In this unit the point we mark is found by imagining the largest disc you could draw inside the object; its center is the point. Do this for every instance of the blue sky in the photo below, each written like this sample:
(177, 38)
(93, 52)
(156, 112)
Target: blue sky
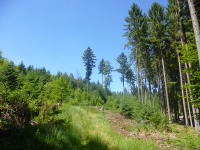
(54, 33)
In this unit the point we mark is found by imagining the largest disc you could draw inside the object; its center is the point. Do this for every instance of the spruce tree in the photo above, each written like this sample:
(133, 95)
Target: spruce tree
(89, 60)
(107, 72)
(123, 62)
(101, 69)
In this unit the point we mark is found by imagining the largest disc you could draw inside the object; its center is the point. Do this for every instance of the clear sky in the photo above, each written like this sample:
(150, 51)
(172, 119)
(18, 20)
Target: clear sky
(54, 33)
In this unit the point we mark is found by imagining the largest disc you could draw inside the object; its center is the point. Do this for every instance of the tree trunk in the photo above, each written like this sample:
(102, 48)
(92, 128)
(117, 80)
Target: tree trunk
(166, 91)
(145, 90)
(149, 81)
(182, 91)
(176, 105)
(138, 82)
(189, 109)
(102, 80)
(141, 89)
(160, 94)
(196, 122)
(123, 81)
(197, 38)
(195, 24)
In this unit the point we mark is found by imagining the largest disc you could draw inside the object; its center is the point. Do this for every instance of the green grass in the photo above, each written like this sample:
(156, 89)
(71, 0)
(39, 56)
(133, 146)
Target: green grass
(75, 128)
(186, 137)
(177, 136)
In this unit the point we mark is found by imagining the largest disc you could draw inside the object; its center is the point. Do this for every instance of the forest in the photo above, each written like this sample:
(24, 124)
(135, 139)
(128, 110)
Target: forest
(160, 109)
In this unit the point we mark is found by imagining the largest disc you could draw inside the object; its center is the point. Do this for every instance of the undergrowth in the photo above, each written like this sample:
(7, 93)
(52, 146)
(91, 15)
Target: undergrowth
(146, 115)
(74, 128)
(186, 137)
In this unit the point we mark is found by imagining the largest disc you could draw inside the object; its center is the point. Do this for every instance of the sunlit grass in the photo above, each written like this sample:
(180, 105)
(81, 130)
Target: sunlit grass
(186, 137)
(92, 125)
(176, 136)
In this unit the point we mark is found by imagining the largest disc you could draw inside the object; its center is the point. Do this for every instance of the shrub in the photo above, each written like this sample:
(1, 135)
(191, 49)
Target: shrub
(132, 108)
(15, 115)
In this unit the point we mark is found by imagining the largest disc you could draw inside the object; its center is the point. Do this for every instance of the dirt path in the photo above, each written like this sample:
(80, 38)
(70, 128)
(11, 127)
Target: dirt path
(121, 125)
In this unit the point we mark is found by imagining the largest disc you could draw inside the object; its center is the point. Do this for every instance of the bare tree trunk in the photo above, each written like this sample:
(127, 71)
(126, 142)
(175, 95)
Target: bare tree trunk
(138, 76)
(198, 113)
(166, 91)
(189, 109)
(123, 86)
(195, 24)
(145, 96)
(149, 81)
(196, 122)
(141, 89)
(138, 82)
(182, 91)
(163, 97)
(197, 38)
(162, 103)
(187, 74)
(145, 90)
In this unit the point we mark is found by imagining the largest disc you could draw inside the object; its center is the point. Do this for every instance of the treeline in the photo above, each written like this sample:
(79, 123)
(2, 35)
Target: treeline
(28, 92)
(164, 50)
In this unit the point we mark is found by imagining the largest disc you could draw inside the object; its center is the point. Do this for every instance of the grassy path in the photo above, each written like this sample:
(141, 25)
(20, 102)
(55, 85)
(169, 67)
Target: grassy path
(93, 128)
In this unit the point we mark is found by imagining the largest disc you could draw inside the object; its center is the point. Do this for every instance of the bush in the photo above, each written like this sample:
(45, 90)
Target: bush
(112, 103)
(47, 112)
(132, 108)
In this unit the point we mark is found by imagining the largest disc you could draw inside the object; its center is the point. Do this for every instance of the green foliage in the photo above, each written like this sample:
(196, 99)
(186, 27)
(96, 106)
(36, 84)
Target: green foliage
(75, 128)
(89, 62)
(105, 69)
(186, 138)
(125, 70)
(113, 102)
(161, 35)
(81, 97)
(107, 72)
(58, 90)
(101, 66)
(141, 113)
(123, 62)
(39, 93)
(189, 55)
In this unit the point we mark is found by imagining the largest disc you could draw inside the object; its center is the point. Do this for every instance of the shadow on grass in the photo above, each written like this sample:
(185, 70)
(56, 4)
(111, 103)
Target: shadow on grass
(53, 136)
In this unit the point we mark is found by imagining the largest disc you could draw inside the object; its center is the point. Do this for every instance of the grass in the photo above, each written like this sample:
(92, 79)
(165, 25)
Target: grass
(75, 128)
(176, 136)
(84, 128)
(186, 137)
